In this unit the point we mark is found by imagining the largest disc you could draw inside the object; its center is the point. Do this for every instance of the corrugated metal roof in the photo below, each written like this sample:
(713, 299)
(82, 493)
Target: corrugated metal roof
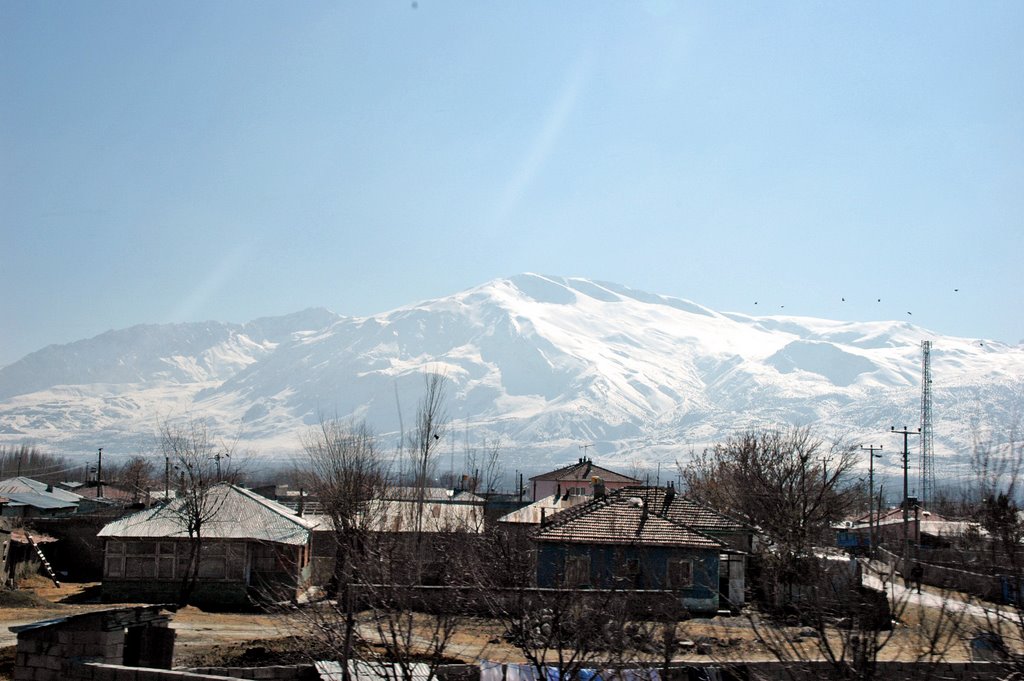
(239, 514)
(622, 519)
(39, 500)
(401, 515)
(28, 485)
(431, 494)
(548, 506)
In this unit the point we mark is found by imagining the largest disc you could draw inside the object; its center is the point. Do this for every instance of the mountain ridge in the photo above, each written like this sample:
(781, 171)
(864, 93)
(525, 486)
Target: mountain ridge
(544, 362)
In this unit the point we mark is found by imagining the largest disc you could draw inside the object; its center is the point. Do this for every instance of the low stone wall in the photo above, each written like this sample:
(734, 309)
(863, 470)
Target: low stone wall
(988, 587)
(211, 594)
(651, 604)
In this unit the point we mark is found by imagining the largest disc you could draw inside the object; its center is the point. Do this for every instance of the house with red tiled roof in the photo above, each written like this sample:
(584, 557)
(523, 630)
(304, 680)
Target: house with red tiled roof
(577, 480)
(633, 539)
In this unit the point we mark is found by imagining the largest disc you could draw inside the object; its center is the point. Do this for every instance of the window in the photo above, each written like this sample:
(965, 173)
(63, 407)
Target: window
(577, 571)
(168, 560)
(114, 563)
(680, 573)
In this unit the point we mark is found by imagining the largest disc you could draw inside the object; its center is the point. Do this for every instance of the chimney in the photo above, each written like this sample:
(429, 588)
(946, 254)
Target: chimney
(598, 484)
(558, 491)
(670, 494)
(543, 516)
(302, 499)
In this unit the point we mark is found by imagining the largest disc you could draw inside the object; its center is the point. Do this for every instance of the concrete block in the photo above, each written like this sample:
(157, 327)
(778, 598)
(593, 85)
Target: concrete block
(23, 673)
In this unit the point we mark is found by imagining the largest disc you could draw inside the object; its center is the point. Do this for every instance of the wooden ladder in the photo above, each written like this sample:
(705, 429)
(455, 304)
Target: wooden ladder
(46, 563)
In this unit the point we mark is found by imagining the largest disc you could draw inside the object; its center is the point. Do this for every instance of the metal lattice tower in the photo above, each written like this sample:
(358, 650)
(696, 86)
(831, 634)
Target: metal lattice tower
(927, 453)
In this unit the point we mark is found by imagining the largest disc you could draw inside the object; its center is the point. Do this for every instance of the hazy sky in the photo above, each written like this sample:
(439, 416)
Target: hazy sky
(178, 161)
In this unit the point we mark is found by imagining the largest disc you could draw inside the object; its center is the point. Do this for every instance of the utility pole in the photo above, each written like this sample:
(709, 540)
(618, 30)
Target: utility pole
(871, 494)
(217, 456)
(167, 478)
(99, 474)
(906, 497)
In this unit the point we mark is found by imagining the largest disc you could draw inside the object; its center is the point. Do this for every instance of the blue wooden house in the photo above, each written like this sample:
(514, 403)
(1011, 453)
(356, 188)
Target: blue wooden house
(622, 541)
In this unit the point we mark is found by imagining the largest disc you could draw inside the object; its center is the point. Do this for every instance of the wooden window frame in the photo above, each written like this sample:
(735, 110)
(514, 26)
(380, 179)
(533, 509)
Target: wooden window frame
(672, 578)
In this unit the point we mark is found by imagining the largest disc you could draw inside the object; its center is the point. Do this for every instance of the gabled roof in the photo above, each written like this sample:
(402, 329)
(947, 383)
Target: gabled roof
(582, 471)
(621, 519)
(238, 514)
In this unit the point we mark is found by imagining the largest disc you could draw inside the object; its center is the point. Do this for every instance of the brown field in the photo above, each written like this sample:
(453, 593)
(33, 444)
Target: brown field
(253, 639)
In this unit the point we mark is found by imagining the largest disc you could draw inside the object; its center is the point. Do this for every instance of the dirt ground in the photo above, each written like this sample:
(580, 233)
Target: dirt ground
(252, 639)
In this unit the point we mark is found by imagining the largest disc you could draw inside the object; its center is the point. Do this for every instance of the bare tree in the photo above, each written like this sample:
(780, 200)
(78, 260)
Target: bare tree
(137, 474)
(30, 461)
(201, 463)
(431, 425)
(348, 475)
(790, 484)
(483, 467)
(998, 461)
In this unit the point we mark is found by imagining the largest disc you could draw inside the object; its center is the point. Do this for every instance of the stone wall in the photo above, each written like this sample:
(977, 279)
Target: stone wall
(212, 594)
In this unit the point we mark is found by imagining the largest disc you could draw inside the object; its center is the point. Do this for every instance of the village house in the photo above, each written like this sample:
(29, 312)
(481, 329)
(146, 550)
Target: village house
(737, 536)
(443, 510)
(404, 515)
(924, 528)
(24, 497)
(251, 547)
(577, 480)
(621, 541)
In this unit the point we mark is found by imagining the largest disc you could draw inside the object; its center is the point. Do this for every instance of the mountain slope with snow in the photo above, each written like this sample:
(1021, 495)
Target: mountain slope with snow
(547, 363)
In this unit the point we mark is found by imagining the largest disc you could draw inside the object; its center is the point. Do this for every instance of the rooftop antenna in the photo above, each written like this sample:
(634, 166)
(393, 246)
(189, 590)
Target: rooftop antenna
(927, 449)
(585, 448)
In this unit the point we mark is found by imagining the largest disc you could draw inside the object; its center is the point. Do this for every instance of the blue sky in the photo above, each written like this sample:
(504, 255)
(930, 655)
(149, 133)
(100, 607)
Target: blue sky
(181, 161)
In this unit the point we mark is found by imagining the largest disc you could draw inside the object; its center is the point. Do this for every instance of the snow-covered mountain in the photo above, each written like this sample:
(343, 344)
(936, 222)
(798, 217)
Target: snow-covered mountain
(547, 363)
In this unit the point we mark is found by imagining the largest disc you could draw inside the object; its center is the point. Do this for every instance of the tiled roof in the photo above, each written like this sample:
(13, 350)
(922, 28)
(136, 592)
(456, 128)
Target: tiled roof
(684, 510)
(622, 519)
(583, 471)
(239, 514)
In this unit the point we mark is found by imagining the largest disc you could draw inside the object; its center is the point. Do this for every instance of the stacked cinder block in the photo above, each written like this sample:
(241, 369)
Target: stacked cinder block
(48, 650)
